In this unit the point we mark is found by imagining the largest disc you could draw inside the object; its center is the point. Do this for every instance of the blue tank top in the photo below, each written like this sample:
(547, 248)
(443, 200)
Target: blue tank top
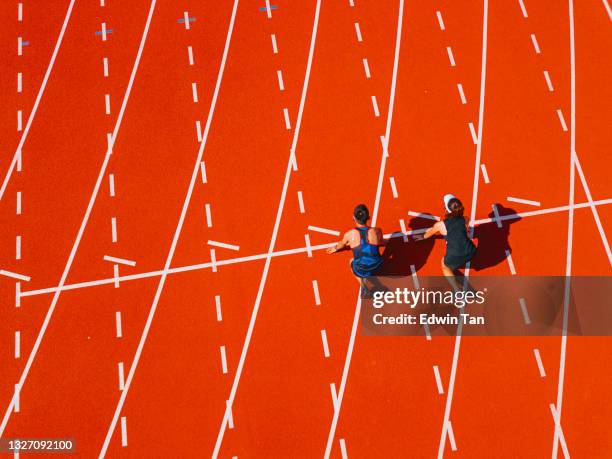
(366, 257)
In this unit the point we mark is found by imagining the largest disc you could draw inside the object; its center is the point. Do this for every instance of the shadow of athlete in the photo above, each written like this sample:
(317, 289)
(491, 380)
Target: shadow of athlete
(493, 241)
(400, 255)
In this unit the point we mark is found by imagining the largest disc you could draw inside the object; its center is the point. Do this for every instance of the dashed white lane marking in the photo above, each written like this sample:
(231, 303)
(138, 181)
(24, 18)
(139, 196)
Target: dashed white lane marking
(608, 9)
(281, 84)
(334, 395)
(105, 66)
(366, 68)
(510, 262)
(203, 172)
(323, 230)
(427, 333)
(451, 435)
(198, 126)
(223, 360)
(524, 201)
(102, 3)
(286, 115)
(561, 119)
(223, 245)
(461, 93)
(18, 248)
(548, 81)
(13, 275)
(186, 19)
(19, 163)
(375, 106)
(485, 174)
(19, 46)
(308, 246)
(17, 344)
(114, 229)
(351, 3)
(301, 202)
(384, 145)
(274, 47)
(218, 308)
(104, 31)
(358, 32)
(19, 82)
(190, 55)
(420, 215)
(116, 275)
(496, 215)
(523, 9)
(208, 215)
(213, 260)
(440, 21)
(523, 304)
(415, 279)
(118, 327)
(325, 344)
(436, 371)
(194, 92)
(20, 11)
(107, 106)
(536, 354)
(473, 132)
(121, 375)
(111, 185)
(536, 46)
(122, 261)
(559, 431)
(19, 120)
(315, 289)
(230, 414)
(268, 9)
(402, 225)
(393, 187)
(18, 293)
(451, 58)
(124, 438)
(343, 449)
(18, 204)
(109, 142)
(17, 407)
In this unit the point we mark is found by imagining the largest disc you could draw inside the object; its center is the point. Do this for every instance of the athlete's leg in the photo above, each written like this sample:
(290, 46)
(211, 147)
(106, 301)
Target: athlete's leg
(449, 274)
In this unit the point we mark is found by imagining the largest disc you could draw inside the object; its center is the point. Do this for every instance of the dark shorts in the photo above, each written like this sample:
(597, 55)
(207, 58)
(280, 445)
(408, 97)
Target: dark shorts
(456, 262)
(363, 272)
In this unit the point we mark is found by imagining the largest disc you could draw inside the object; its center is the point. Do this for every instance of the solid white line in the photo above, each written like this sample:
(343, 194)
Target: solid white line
(203, 172)
(17, 344)
(343, 449)
(461, 93)
(308, 246)
(279, 75)
(213, 260)
(18, 203)
(208, 215)
(393, 187)
(286, 115)
(116, 274)
(114, 229)
(440, 21)
(608, 10)
(358, 32)
(375, 106)
(111, 185)
(19, 120)
(105, 66)
(118, 328)
(485, 175)
(548, 81)
(17, 397)
(366, 68)
(451, 435)
(264, 275)
(415, 279)
(325, 345)
(524, 311)
(186, 18)
(451, 58)
(562, 119)
(334, 395)
(223, 245)
(524, 201)
(122, 261)
(559, 432)
(223, 360)
(274, 47)
(536, 354)
(22, 277)
(384, 146)
(121, 375)
(37, 101)
(17, 247)
(194, 92)
(301, 202)
(218, 308)
(315, 289)
(19, 82)
(497, 219)
(473, 132)
(198, 125)
(230, 415)
(510, 262)
(436, 371)
(190, 55)
(420, 215)
(323, 230)
(523, 9)
(536, 46)
(268, 9)
(124, 440)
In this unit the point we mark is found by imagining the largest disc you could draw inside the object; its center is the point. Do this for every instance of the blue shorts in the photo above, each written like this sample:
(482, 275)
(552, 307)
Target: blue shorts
(365, 271)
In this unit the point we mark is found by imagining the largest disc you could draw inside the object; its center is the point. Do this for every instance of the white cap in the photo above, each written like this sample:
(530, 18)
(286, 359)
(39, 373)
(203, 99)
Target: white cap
(447, 199)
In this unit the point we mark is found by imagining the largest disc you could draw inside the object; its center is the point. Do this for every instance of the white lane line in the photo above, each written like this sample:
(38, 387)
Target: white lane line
(366, 68)
(343, 449)
(510, 262)
(105, 66)
(301, 202)
(18, 294)
(121, 375)
(440, 21)
(79, 236)
(116, 274)
(190, 55)
(524, 201)
(223, 360)
(293, 161)
(186, 19)
(497, 219)
(436, 371)
(17, 397)
(402, 225)
(223, 245)
(203, 172)
(268, 9)
(420, 215)
(19, 162)
(351, 3)
(375, 106)
(208, 215)
(230, 415)
(19, 46)
(218, 308)
(523, 9)
(308, 246)
(19, 82)
(536, 46)
(109, 142)
(559, 432)
(536, 354)
(198, 126)
(213, 260)
(548, 81)
(19, 120)
(315, 289)
(393, 187)
(415, 279)
(608, 9)
(451, 435)
(461, 93)
(20, 12)
(281, 84)
(17, 247)
(562, 120)
(17, 344)
(323, 230)
(121, 261)
(18, 203)
(358, 32)
(194, 92)
(102, 3)
(281, 205)
(41, 90)
(274, 47)
(114, 229)
(111, 185)
(334, 395)
(523, 304)
(286, 115)
(473, 132)
(107, 107)
(118, 327)
(325, 344)
(485, 174)
(384, 146)
(104, 31)
(451, 58)
(124, 439)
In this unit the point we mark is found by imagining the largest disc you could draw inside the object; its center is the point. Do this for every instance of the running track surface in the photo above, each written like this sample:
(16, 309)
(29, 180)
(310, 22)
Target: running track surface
(162, 126)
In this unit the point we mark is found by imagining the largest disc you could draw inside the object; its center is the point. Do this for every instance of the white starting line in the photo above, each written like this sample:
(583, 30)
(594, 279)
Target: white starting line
(524, 201)
(323, 230)
(13, 275)
(121, 261)
(223, 245)
(421, 215)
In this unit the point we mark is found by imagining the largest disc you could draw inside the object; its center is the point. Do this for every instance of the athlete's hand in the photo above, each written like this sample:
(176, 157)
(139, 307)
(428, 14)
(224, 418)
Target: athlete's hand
(331, 250)
(418, 237)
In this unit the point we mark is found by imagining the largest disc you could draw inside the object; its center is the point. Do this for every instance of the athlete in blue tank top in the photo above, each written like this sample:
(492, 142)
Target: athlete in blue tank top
(364, 241)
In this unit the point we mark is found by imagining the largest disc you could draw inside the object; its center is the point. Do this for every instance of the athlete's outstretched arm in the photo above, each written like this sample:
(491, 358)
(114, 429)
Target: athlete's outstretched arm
(343, 244)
